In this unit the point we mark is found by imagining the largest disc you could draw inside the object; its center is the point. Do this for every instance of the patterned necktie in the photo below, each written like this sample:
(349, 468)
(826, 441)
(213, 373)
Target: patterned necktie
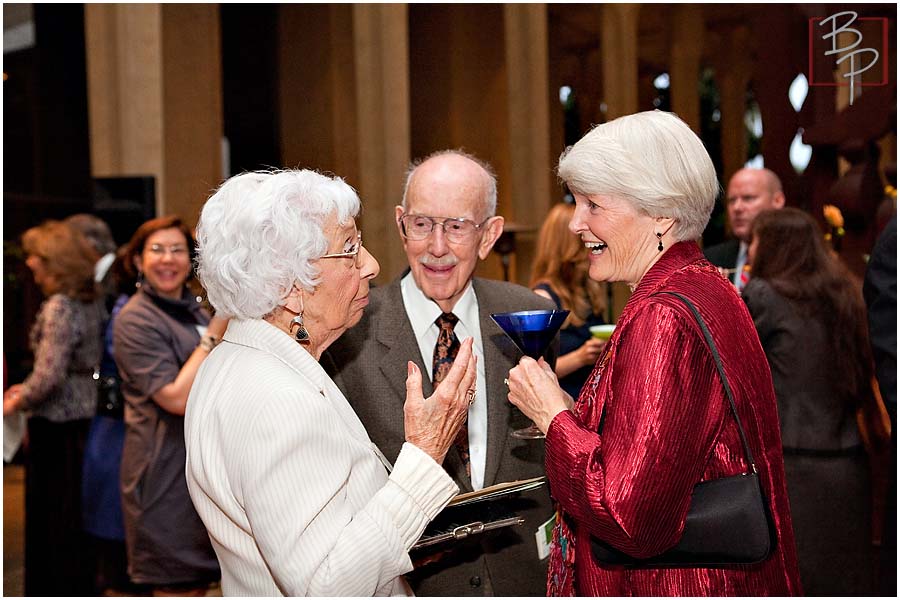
(445, 352)
(740, 276)
(745, 277)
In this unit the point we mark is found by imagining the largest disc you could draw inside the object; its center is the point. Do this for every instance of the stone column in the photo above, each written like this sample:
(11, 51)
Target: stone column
(684, 72)
(733, 74)
(532, 178)
(155, 99)
(619, 57)
(381, 53)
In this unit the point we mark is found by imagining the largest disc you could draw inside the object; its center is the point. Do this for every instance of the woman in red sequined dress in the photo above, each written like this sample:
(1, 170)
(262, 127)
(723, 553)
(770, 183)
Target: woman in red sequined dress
(653, 420)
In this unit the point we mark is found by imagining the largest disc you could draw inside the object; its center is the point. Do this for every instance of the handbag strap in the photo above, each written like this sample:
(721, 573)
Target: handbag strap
(721, 369)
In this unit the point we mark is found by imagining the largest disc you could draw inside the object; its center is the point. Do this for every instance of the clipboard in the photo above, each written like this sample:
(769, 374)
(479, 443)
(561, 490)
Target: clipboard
(475, 513)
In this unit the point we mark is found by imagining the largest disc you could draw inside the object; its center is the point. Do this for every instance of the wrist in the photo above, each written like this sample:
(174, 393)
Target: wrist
(208, 342)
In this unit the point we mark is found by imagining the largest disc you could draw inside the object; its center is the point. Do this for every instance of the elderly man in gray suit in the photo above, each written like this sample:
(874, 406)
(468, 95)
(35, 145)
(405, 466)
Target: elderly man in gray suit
(447, 223)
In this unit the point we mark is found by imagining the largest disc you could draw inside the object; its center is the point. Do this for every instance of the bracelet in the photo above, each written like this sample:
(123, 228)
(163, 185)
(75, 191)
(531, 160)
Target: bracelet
(208, 342)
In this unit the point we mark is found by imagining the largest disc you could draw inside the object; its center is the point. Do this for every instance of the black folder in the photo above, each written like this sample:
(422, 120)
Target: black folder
(475, 513)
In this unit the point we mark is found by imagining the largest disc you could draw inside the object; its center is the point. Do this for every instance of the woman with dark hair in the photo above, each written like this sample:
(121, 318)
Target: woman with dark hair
(809, 312)
(61, 397)
(560, 273)
(160, 338)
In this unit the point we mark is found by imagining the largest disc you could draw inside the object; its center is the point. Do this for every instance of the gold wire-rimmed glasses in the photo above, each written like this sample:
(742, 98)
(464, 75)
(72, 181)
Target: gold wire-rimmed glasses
(352, 253)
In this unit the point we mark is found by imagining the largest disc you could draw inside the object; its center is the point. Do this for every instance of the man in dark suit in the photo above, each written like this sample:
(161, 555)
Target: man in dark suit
(447, 224)
(750, 191)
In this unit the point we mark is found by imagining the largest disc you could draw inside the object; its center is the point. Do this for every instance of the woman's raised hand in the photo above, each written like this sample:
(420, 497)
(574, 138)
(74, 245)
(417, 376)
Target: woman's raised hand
(534, 389)
(432, 423)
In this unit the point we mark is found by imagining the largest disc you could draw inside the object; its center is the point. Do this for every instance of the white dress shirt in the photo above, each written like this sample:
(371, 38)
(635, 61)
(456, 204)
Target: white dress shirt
(422, 313)
(296, 498)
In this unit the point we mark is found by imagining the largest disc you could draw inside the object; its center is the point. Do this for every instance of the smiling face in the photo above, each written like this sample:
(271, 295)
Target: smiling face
(621, 241)
(448, 186)
(750, 191)
(338, 301)
(165, 262)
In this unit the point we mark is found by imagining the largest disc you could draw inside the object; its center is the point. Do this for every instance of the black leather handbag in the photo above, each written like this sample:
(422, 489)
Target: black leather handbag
(728, 522)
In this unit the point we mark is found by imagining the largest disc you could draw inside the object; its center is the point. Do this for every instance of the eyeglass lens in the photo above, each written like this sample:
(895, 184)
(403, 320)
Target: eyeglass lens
(418, 227)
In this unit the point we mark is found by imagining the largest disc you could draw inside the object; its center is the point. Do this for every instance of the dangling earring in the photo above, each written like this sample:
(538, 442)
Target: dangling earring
(659, 237)
(302, 335)
(140, 280)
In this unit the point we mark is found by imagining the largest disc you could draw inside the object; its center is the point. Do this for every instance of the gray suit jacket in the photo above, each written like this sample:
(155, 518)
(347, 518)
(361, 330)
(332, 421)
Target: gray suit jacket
(368, 363)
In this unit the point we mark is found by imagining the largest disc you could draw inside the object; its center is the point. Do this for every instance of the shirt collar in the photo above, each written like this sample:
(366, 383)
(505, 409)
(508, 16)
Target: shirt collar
(423, 311)
(677, 257)
(262, 335)
(103, 265)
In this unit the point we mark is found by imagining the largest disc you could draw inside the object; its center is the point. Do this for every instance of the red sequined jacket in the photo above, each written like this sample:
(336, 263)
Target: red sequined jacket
(667, 426)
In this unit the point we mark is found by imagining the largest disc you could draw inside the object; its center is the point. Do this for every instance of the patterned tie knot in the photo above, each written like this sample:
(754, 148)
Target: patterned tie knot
(447, 321)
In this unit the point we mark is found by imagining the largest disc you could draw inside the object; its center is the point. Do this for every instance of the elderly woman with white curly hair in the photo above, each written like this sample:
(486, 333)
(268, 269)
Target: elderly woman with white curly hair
(296, 498)
(653, 423)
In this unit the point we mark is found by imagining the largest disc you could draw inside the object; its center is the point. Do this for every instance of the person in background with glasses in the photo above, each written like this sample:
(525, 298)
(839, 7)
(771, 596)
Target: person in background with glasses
(447, 222)
(297, 499)
(160, 338)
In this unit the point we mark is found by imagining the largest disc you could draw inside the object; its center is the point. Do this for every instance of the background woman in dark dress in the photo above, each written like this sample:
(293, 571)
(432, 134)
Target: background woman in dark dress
(160, 338)
(560, 273)
(809, 312)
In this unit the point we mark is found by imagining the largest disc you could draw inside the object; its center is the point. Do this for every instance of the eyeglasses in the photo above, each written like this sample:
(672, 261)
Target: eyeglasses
(353, 252)
(177, 250)
(419, 227)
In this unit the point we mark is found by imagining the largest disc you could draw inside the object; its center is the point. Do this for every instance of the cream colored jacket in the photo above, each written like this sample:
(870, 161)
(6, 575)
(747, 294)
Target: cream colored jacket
(296, 498)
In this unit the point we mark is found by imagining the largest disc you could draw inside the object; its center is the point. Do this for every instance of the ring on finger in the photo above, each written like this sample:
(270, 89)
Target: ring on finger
(470, 395)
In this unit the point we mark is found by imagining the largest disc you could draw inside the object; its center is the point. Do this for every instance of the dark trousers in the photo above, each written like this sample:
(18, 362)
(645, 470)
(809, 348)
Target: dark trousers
(57, 555)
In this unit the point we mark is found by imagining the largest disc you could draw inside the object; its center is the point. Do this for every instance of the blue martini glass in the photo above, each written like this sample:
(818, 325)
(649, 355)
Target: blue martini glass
(532, 331)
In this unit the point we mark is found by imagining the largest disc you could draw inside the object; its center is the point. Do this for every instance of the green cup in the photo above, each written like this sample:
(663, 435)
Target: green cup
(602, 332)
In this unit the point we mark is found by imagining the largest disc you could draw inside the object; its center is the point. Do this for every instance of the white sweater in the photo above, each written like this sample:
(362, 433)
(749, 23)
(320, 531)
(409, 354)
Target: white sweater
(296, 499)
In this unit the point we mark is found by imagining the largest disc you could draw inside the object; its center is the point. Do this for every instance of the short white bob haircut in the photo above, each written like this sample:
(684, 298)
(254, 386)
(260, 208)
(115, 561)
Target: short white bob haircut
(259, 233)
(651, 159)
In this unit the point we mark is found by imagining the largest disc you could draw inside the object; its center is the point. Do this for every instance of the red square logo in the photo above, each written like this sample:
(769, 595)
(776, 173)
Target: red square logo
(858, 45)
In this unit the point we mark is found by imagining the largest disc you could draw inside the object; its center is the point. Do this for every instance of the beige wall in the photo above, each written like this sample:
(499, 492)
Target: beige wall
(155, 98)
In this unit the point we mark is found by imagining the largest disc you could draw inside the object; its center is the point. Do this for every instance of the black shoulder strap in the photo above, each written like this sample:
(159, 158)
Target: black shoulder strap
(718, 360)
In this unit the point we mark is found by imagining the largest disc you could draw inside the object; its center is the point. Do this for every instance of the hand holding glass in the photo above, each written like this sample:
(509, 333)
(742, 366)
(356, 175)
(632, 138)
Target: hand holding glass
(532, 331)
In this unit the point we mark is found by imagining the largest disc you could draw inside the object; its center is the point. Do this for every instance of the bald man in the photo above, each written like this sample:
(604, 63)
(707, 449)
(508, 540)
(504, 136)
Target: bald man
(750, 191)
(447, 223)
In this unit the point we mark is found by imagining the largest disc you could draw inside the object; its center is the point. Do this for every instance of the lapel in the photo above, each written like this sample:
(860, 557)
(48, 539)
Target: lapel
(393, 331)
